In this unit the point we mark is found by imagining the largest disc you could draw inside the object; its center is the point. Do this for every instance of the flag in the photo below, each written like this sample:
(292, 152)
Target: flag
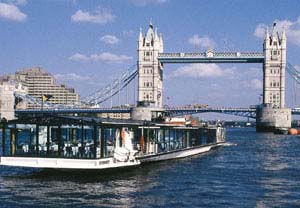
(46, 97)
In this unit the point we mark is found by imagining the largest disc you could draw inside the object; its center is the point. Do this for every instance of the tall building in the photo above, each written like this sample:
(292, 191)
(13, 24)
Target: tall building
(274, 68)
(39, 82)
(150, 70)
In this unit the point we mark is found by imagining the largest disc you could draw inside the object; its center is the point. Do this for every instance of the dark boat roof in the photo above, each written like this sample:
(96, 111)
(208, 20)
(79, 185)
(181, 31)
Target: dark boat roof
(75, 120)
(59, 120)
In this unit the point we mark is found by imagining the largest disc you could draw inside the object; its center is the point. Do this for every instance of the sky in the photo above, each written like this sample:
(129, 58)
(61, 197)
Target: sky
(86, 44)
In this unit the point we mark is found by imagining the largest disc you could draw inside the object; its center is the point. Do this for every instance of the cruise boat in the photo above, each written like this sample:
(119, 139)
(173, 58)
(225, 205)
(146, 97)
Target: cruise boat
(71, 142)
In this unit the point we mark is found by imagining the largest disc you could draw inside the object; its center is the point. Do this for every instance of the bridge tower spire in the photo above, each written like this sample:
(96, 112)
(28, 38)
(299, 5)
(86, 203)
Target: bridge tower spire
(150, 75)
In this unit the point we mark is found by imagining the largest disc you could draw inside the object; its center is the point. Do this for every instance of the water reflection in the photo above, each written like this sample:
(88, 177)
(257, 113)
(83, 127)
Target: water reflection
(48, 189)
(97, 189)
(276, 163)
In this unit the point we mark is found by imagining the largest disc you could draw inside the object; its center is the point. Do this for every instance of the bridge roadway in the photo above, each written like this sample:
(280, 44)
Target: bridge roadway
(244, 112)
(172, 111)
(212, 57)
(73, 110)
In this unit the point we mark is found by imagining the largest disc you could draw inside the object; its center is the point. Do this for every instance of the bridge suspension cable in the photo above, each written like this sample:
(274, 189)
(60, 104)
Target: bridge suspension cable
(295, 74)
(111, 89)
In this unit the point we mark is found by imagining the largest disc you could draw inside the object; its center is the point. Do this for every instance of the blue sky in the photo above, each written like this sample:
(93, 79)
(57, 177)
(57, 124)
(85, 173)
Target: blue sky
(88, 43)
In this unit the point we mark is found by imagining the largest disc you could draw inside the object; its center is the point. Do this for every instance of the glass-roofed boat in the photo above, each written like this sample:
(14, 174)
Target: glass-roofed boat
(70, 142)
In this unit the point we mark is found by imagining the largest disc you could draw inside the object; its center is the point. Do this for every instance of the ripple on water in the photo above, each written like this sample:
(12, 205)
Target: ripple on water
(252, 170)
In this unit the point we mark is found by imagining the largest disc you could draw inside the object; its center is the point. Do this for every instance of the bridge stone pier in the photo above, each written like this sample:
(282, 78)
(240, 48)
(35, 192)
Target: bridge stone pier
(271, 114)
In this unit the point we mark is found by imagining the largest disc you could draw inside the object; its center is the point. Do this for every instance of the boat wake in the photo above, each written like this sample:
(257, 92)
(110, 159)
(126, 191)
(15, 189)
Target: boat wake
(229, 144)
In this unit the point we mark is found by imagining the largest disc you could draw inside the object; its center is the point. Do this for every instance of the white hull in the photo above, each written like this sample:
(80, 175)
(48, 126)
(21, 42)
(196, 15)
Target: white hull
(59, 163)
(177, 154)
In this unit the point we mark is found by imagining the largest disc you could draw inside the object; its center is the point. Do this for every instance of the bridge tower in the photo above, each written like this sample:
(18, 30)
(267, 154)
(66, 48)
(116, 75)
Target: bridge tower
(150, 74)
(273, 114)
(274, 69)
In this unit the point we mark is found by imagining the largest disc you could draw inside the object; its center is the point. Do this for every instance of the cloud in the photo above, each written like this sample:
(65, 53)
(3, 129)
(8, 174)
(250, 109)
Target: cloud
(20, 2)
(204, 42)
(260, 30)
(102, 57)
(16, 2)
(71, 77)
(110, 39)
(202, 71)
(100, 16)
(78, 57)
(128, 33)
(11, 12)
(142, 3)
(292, 29)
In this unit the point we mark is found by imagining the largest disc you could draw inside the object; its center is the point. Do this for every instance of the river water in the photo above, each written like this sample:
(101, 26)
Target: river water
(254, 170)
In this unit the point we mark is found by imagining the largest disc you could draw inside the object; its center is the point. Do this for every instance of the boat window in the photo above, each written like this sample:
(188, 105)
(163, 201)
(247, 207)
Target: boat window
(179, 139)
(111, 140)
(161, 141)
(150, 141)
(53, 141)
(194, 138)
(24, 142)
(172, 139)
(167, 139)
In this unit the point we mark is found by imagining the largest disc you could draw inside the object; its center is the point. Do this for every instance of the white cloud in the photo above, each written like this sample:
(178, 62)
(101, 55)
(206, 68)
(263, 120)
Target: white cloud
(292, 30)
(260, 30)
(11, 12)
(102, 57)
(110, 57)
(71, 77)
(78, 57)
(202, 71)
(147, 2)
(204, 42)
(128, 33)
(100, 16)
(110, 39)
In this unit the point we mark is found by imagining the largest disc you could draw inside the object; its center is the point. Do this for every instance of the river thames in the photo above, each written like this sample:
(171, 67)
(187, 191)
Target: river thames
(253, 170)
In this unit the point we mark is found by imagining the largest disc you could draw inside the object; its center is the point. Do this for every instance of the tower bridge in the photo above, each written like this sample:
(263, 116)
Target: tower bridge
(152, 59)
(272, 114)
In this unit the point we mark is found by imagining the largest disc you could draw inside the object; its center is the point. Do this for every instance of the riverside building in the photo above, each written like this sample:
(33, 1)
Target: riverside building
(39, 82)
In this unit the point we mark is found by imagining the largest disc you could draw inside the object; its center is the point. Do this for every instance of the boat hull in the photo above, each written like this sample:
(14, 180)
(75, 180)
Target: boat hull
(60, 163)
(178, 153)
